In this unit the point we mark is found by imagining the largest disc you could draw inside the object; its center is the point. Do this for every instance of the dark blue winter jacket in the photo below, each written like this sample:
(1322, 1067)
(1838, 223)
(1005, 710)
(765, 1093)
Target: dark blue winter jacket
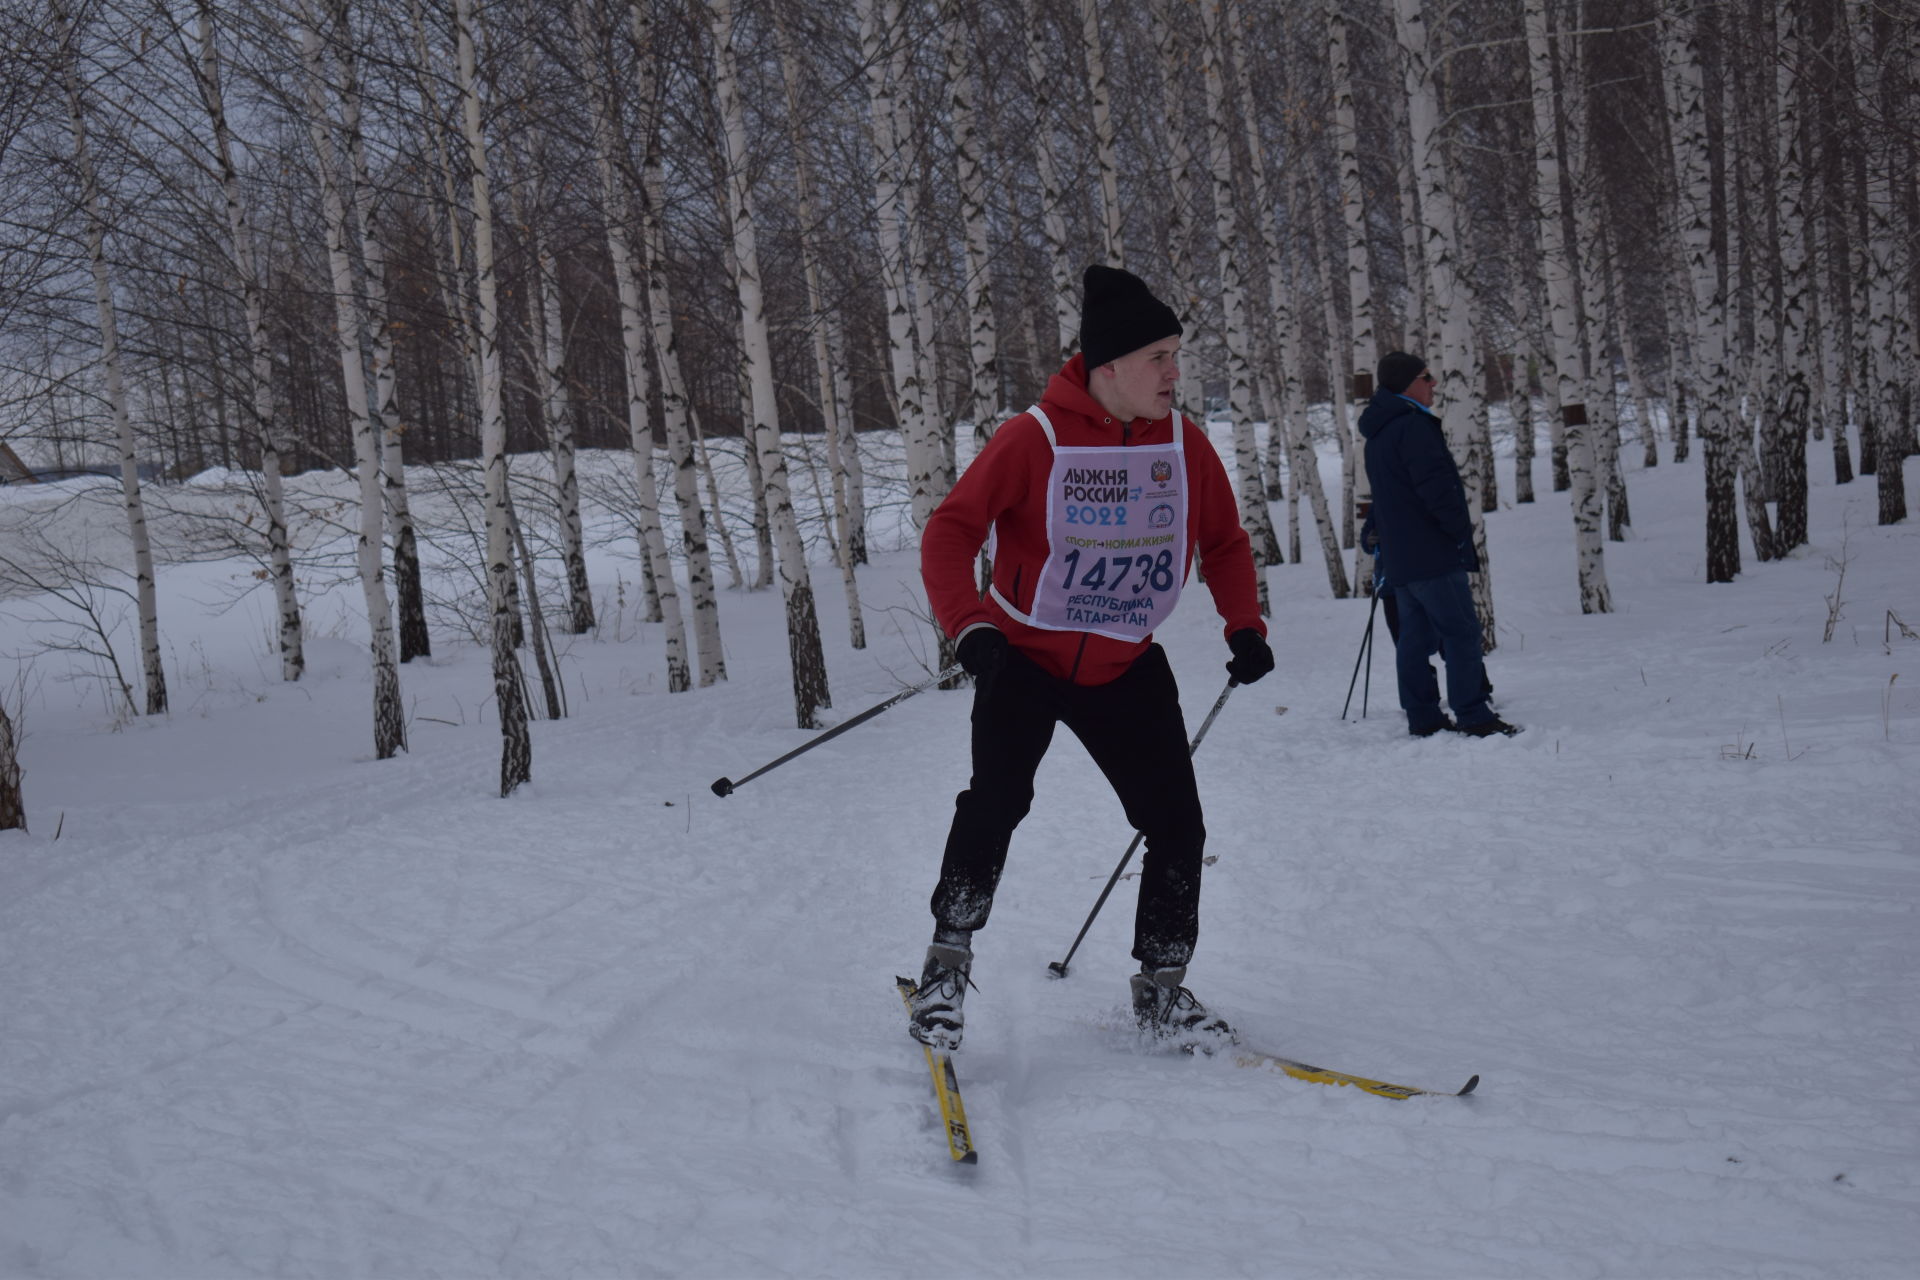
(1419, 504)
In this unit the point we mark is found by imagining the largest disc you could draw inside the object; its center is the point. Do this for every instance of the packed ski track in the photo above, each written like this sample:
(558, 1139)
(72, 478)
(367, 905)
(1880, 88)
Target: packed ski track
(272, 1007)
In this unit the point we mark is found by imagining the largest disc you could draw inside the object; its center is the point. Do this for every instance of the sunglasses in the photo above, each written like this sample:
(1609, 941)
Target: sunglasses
(1426, 377)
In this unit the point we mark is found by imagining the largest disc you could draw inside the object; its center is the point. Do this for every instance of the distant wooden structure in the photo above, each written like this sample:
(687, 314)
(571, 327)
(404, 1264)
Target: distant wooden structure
(12, 470)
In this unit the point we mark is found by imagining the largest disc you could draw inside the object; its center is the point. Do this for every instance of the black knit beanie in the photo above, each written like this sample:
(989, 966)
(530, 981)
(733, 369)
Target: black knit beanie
(1398, 370)
(1119, 314)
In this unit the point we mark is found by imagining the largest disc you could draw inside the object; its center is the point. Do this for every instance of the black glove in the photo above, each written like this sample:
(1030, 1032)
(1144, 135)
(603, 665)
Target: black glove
(983, 651)
(1251, 657)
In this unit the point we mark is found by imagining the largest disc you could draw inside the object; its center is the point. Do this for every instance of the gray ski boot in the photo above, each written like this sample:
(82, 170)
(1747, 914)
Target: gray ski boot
(1168, 1011)
(937, 1018)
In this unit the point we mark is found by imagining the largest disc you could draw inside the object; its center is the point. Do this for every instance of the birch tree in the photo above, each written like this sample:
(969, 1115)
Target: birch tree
(609, 145)
(266, 426)
(883, 50)
(1183, 178)
(366, 204)
(1363, 352)
(1288, 422)
(1450, 298)
(1105, 151)
(810, 693)
(509, 689)
(546, 320)
(1053, 222)
(1254, 515)
(13, 808)
(962, 101)
(1790, 414)
(1693, 190)
(1563, 303)
(1885, 168)
(686, 445)
(93, 208)
(829, 378)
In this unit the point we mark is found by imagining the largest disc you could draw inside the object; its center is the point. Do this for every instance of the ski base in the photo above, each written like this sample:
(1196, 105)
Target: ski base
(946, 1089)
(1320, 1075)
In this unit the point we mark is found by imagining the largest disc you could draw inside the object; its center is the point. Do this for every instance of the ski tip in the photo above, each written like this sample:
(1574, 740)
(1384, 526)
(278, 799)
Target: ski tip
(1470, 1086)
(1057, 968)
(971, 1157)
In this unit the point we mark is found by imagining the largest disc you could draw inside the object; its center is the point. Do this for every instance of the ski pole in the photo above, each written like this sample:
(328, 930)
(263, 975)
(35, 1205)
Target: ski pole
(1058, 968)
(725, 786)
(1366, 654)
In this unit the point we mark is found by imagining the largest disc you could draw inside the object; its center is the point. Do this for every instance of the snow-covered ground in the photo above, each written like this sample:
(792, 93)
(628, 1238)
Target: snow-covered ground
(271, 1007)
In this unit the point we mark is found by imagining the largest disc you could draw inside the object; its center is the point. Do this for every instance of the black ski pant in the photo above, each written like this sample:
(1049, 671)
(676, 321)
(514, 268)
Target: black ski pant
(1133, 729)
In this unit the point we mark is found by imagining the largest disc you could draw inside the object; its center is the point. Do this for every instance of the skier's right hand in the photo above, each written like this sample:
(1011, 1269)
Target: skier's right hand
(982, 651)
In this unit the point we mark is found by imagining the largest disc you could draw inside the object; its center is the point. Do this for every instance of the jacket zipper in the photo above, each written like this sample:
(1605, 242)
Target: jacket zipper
(1077, 655)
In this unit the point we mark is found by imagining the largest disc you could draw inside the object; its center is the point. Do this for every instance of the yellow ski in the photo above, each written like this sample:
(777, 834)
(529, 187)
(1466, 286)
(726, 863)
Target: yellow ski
(1320, 1075)
(946, 1089)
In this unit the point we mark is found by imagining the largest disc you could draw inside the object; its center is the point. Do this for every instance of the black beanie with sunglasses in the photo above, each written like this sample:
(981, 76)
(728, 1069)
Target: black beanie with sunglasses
(1119, 314)
(1398, 370)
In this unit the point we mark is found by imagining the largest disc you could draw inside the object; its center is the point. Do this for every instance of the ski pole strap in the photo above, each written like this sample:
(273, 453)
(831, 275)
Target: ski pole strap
(725, 786)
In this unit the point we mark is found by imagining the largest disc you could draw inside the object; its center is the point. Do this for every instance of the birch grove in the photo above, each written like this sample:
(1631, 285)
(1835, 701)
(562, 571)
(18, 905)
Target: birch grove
(243, 256)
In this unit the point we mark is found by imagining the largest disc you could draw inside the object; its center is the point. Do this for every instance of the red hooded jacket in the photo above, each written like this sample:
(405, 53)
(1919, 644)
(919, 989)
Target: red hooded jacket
(1004, 490)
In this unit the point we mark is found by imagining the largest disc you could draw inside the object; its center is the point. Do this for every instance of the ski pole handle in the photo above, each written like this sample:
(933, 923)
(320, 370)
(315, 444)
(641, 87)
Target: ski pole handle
(726, 786)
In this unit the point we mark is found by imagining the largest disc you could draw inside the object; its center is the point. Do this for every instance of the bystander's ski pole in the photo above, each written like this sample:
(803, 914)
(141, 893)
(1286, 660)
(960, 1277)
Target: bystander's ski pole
(1366, 654)
(1059, 967)
(726, 786)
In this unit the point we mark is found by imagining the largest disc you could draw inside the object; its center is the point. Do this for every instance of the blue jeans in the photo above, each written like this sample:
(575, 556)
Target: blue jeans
(1436, 614)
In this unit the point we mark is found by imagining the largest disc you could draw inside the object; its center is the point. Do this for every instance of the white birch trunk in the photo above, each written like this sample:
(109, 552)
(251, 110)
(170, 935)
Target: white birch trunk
(1791, 413)
(548, 323)
(67, 37)
(608, 144)
(1884, 387)
(1748, 361)
(846, 433)
(1100, 98)
(293, 661)
(509, 689)
(1602, 428)
(1183, 178)
(1833, 383)
(828, 379)
(389, 731)
(1450, 301)
(1053, 218)
(1563, 305)
(810, 693)
(1254, 516)
(884, 53)
(1288, 415)
(1362, 347)
(686, 447)
(970, 172)
(1709, 328)
(409, 603)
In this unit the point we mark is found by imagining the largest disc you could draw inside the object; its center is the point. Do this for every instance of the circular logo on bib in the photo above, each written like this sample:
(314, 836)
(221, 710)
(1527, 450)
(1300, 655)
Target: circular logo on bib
(1161, 516)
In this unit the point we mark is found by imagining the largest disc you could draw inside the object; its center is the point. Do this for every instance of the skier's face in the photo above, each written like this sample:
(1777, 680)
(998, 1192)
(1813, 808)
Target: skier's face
(1140, 383)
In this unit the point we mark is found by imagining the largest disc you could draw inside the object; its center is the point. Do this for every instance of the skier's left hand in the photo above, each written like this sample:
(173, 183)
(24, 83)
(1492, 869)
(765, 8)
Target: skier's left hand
(1251, 656)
